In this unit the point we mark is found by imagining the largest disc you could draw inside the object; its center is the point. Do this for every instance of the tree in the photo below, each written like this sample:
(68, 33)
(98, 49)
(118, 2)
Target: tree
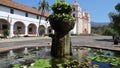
(115, 18)
(34, 7)
(117, 7)
(43, 7)
(111, 22)
(109, 31)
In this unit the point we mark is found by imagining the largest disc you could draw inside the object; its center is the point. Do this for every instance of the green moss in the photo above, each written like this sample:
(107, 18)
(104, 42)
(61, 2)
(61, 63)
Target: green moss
(62, 22)
(61, 18)
(62, 7)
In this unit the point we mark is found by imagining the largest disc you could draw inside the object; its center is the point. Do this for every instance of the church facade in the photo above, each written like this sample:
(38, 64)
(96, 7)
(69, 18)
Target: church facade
(82, 23)
(25, 21)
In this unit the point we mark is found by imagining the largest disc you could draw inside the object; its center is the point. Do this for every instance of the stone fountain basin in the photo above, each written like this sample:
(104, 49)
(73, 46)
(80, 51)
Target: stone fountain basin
(23, 55)
(27, 55)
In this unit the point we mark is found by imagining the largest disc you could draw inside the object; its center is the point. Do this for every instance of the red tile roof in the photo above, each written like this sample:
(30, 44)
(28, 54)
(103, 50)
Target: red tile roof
(11, 4)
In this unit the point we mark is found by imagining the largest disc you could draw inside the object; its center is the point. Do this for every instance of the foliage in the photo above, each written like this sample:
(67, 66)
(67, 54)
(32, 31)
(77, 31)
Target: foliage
(57, 1)
(41, 63)
(43, 6)
(115, 18)
(17, 66)
(95, 66)
(99, 30)
(102, 56)
(73, 64)
(11, 57)
(62, 7)
(109, 31)
(5, 33)
(61, 22)
(61, 18)
(104, 30)
(117, 7)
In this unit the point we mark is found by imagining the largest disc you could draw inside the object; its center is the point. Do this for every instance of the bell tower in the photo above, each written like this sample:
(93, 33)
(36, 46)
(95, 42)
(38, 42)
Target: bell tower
(77, 13)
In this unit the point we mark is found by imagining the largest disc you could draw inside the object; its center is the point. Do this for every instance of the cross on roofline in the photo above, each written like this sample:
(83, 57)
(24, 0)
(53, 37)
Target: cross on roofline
(75, 0)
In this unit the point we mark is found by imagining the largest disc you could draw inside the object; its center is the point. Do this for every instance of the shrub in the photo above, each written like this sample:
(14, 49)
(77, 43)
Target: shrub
(5, 33)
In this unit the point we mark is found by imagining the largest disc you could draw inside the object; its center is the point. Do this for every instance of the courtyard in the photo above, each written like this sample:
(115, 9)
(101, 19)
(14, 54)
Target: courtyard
(104, 41)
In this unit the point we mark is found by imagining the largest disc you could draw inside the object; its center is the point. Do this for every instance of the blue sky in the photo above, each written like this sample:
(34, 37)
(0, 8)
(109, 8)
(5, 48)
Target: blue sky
(98, 9)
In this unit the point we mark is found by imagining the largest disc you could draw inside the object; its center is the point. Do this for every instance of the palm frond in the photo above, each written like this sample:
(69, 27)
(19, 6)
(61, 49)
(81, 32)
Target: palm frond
(43, 6)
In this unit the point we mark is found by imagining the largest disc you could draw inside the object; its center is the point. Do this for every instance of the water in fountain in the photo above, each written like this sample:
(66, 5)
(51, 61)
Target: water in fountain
(44, 53)
(11, 53)
(37, 48)
(26, 51)
(46, 49)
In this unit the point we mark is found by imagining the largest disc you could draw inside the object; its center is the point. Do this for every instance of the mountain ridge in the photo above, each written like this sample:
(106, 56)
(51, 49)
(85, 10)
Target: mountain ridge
(99, 24)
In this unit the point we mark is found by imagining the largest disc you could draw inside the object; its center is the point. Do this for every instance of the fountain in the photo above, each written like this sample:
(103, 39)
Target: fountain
(37, 48)
(61, 50)
(62, 22)
(11, 53)
(79, 54)
(25, 51)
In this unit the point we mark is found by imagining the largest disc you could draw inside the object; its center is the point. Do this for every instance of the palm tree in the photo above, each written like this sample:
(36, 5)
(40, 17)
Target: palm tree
(43, 7)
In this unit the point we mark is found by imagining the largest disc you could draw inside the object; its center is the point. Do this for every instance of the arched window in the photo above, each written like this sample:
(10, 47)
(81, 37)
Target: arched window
(73, 15)
(73, 9)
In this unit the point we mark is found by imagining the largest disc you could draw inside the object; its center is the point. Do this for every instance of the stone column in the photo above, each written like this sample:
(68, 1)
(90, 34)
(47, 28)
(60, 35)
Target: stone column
(11, 30)
(37, 33)
(46, 31)
(0, 26)
(26, 30)
(0, 29)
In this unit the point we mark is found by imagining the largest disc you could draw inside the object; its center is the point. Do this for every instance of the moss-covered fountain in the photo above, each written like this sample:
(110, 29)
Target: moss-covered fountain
(62, 22)
(61, 50)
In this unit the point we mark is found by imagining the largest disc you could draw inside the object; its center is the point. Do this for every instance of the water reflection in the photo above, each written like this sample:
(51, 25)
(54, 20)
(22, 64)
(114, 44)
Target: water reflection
(35, 53)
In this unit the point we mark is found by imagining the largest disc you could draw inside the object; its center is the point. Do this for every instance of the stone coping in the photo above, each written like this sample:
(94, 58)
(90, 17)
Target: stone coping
(114, 48)
(19, 47)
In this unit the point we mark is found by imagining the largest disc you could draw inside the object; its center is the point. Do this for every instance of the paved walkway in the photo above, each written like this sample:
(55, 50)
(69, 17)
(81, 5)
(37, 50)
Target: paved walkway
(21, 39)
(89, 41)
(12, 40)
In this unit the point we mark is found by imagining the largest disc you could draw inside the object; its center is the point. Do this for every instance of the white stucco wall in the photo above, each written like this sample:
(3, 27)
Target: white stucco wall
(4, 9)
(20, 16)
(89, 26)
(80, 26)
(73, 31)
(19, 13)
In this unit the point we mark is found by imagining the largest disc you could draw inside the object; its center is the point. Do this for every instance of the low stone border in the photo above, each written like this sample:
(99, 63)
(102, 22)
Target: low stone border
(100, 47)
(18, 47)
(115, 48)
